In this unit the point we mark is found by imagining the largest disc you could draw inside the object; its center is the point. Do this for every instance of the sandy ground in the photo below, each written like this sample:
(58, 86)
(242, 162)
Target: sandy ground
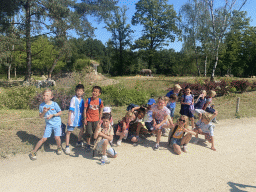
(138, 168)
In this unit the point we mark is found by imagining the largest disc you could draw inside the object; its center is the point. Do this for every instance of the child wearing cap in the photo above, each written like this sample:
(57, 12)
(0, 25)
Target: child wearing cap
(148, 119)
(172, 105)
(108, 110)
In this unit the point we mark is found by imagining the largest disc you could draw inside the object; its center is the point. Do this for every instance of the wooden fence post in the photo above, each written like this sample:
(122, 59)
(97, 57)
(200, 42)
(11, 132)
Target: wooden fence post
(237, 104)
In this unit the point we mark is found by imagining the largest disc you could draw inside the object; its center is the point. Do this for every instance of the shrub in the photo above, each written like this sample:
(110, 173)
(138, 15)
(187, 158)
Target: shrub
(232, 89)
(18, 97)
(240, 85)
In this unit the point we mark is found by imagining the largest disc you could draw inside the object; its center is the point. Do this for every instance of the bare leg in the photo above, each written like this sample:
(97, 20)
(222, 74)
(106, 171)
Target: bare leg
(192, 122)
(212, 148)
(158, 136)
(39, 143)
(80, 134)
(58, 141)
(186, 139)
(177, 149)
(68, 137)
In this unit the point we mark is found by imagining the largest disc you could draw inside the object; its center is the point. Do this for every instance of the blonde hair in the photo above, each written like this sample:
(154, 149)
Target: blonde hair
(161, 98)
(166, 99)
(212, 93)
(48, 90)
(203, 92)
(177, 86)
(129, 114)
(186, 121)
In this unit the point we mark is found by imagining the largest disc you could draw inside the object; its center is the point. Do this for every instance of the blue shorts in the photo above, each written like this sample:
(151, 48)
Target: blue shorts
(175, 141)
(72, 128)
(172, 112)
(49, 128)
(185, 111)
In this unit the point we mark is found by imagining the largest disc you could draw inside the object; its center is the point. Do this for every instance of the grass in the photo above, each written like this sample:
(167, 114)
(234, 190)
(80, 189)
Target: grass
(20, 130)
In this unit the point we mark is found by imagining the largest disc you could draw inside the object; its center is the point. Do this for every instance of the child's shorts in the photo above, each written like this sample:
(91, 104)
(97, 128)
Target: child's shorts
(175, 141)
(109, 150)
(49, 128)
(149, 125)
(90, 127)
(199, 111)
(158, 122)
(185, 111)
(72, 128)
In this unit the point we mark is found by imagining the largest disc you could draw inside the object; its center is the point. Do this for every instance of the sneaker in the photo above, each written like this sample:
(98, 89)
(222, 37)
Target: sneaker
(156, 148)
(67, 150)
(88, 148)
(32, 156)
(79, 144)
(215, 121)
(104, 161)
(185, 148)
(119, 142)
(59, 151)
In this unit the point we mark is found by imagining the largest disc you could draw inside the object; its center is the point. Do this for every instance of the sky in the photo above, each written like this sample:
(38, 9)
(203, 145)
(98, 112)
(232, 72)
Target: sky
(103, 35)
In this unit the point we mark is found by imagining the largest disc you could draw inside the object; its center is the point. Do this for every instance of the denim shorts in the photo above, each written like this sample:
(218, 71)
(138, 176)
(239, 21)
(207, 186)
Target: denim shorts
(175, 141)
(72, 128)
(109, 150)
(49, 128)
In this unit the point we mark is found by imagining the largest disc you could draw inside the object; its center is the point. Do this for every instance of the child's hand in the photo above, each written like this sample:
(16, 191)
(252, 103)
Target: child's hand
(157, 126)
(46, 109)
(49, 116)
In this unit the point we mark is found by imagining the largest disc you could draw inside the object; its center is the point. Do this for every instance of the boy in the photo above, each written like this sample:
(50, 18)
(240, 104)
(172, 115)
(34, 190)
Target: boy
(75, 116)
(204, 127)
(208, 107)
(104, 134)
(93, 112)
(172, 105)
(51, 112)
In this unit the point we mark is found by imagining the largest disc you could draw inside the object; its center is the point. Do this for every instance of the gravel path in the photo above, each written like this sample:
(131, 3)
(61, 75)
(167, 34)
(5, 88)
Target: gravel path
(138, 168)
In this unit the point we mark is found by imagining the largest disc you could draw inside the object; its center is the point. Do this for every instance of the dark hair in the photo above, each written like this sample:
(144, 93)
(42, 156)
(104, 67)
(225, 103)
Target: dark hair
(141, 110)
(106, 116)
(173, 97)
(187, 87)
(97, 87)
(80, 86)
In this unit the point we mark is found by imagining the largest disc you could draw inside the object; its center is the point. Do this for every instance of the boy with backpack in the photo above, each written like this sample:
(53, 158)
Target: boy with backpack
(93, 111)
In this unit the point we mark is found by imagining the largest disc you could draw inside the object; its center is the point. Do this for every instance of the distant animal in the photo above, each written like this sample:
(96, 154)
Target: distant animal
(147, 72)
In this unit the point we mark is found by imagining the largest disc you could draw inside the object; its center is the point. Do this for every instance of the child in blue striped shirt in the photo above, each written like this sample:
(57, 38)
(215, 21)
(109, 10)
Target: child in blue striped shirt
(75, 116)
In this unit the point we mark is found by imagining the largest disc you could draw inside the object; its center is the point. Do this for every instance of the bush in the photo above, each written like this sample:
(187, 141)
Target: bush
(118, 95)
(240, 85)
(232, 89)
(18, 97)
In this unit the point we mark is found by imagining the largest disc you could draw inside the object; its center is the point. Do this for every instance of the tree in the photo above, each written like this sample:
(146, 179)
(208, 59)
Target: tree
(221, 20)
(159, 21)
(121, 36)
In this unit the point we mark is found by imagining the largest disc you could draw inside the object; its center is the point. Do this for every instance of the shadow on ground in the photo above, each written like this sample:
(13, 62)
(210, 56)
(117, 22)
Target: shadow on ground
(234, 187)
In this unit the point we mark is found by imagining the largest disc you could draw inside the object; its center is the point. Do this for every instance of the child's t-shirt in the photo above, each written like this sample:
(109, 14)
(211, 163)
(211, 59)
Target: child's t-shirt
(149, 116)
(92, 112)
(170, 104)
(187, 98)
(206, 128)
(77, 108)
(54, 108)
(107, 131)
(200, 104)
(160, 113)
(178, 133)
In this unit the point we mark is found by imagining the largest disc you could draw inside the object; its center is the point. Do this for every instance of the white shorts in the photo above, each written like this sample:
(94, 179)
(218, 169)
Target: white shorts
(109, 150)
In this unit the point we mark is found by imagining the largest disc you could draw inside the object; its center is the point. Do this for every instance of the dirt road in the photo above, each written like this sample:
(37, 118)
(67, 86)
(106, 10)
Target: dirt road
(138, 168)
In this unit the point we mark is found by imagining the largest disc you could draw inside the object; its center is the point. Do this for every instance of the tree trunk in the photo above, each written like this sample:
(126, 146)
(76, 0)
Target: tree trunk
(198, 68)
(15, 72)
(205, 64)
(28, 41)
(216, 62)
(9, 72)
(53, 66)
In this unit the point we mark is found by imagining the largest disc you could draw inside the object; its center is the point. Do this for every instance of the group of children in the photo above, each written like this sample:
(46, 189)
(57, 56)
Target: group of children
(139, 122)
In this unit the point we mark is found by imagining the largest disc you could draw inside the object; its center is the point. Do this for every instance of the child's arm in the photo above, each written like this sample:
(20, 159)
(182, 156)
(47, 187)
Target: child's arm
(69, 117)
(97, 131)
(189, 131)
(54, 115)
(41, 115)
(108, 137)
(135, 108)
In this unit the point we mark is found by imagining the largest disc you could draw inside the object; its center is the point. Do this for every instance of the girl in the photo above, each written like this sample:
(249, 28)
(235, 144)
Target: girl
(123, 127)
(177, 140)
(160, 114)
(172, 105)
(187, 103)
(204, 127)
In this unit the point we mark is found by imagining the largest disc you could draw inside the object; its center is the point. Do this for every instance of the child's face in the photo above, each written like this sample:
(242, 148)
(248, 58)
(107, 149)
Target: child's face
(187, 91)
(172, 100)
(161, 104)
(140, 115)
(47, 96)
(176, 90)
(129, 119)
(182, 121)
(105, 123)
(79, 93)
(95, 93)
